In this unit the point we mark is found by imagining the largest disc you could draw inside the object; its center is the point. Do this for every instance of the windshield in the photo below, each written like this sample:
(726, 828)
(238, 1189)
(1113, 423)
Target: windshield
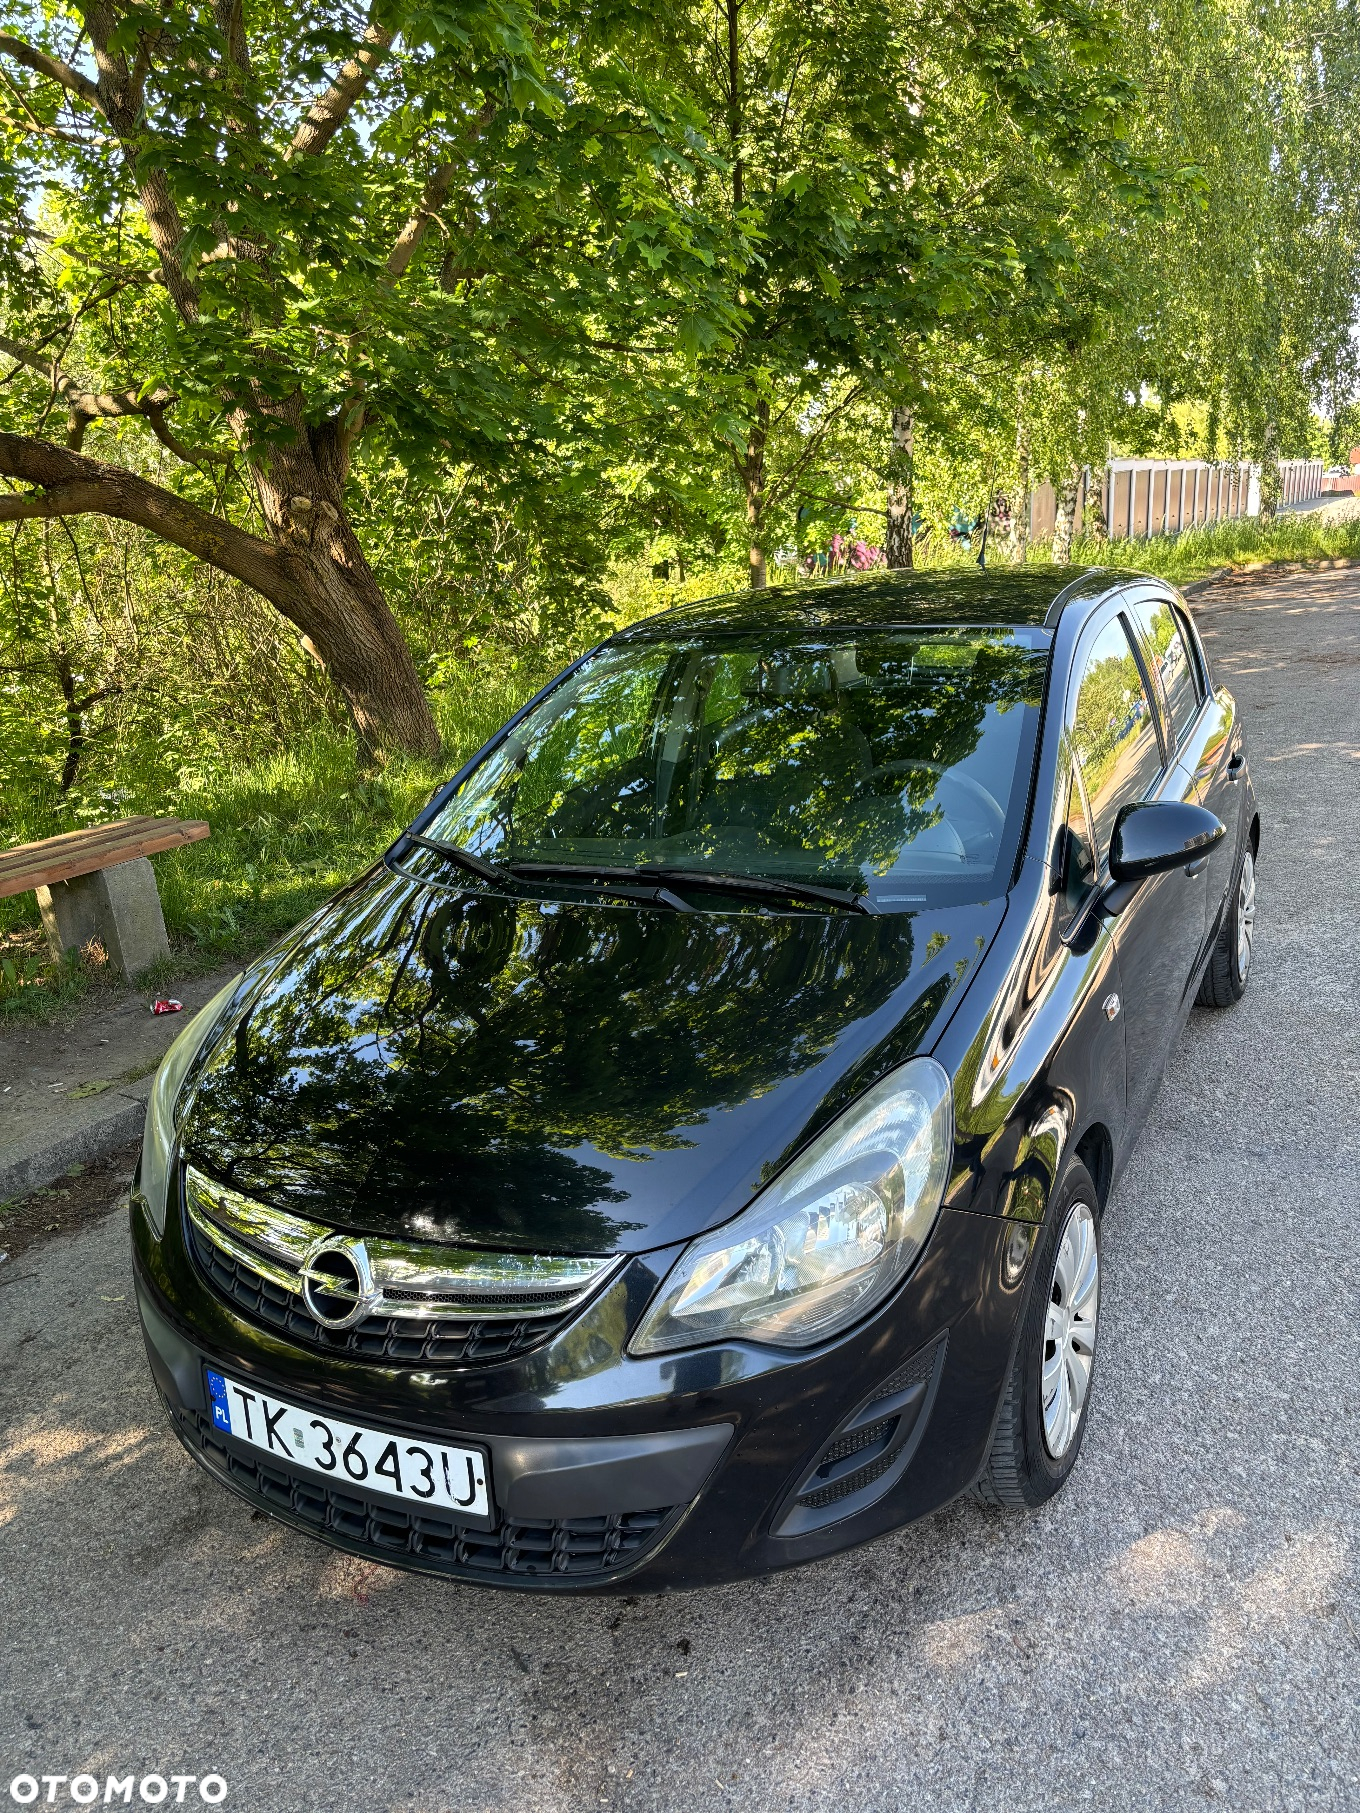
(892, 762)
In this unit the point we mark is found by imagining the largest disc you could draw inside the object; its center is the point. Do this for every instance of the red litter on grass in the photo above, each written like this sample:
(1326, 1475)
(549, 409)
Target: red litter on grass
(166, 1006)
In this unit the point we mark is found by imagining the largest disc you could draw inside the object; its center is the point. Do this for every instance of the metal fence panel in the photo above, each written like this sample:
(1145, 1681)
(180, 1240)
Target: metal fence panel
(1141, 498)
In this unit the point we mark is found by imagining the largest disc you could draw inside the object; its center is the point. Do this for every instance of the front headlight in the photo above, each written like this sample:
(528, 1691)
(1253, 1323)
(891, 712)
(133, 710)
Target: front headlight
(829, 1238)
(163, 1112)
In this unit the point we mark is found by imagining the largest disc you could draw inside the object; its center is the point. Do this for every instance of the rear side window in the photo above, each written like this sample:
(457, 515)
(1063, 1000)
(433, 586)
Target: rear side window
(1114, 732)
(1171, 660)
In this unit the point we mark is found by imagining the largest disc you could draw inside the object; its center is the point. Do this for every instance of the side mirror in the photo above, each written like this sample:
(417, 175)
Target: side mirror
(1158, 835)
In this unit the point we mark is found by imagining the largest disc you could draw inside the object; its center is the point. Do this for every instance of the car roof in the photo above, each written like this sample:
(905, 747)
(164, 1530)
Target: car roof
(997, 596)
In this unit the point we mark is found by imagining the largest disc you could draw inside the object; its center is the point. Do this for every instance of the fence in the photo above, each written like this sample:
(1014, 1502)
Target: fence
(1161, 497)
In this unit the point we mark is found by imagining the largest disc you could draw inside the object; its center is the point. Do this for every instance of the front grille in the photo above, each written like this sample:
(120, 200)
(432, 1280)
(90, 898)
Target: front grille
(565, 1547)
(448, 1341)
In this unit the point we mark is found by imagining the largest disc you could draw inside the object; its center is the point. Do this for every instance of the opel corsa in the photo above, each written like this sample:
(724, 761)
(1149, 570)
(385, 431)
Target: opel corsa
(683, 1154)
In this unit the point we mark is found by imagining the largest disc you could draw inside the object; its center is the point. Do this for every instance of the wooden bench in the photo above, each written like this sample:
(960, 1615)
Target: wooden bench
(97, 883)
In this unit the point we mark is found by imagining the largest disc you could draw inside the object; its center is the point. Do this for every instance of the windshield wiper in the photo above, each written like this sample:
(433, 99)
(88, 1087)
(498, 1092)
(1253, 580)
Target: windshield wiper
(757, 886)
(631, 885)
(475, 865)
(624, 884)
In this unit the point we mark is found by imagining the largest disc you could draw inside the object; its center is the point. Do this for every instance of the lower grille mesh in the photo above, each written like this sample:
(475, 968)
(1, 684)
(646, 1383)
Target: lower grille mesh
(851, 1444)
(851, 1482)
(573, 1546)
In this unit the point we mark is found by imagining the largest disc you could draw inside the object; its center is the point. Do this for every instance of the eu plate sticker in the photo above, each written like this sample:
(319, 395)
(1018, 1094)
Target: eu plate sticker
(217, 1391)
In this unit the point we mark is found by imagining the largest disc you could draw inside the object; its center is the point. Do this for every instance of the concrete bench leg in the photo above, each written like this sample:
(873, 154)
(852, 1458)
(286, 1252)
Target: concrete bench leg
(118, 906)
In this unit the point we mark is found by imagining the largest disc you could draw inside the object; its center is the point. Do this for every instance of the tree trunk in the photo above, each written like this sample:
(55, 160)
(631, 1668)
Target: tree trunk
(1019, 537)
(343, 613)
(1064, 522)
(897, 546)
(751, 470)
(1094, 522)
(1270, 472)
(311, 569)
(341, 607)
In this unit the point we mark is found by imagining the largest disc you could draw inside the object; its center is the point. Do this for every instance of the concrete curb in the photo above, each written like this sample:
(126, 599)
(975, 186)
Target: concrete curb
(105, 1123)
(1202, 585)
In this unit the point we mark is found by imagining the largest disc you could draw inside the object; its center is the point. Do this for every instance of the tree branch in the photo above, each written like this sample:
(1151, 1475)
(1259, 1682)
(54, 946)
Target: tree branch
(192, 456)
(778, 486)
(71, 484)
(62, 500)
(88, 406)
(121, 108)
(328, 113)
(87, 402)
(52, 67)
(436, 193)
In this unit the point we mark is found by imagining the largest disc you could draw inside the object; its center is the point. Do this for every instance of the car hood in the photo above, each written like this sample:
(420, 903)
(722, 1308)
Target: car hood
(540, 1075)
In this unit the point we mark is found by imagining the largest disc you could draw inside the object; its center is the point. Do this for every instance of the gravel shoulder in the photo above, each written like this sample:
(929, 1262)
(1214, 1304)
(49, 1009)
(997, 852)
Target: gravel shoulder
(1180, 1628)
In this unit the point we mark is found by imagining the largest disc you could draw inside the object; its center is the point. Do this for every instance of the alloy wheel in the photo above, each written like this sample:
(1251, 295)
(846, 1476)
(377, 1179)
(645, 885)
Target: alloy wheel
(1246, 915)
(1070, 1329)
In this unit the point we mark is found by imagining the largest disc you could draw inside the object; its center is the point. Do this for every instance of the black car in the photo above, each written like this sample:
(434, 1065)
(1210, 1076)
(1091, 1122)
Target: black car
(683, 1153)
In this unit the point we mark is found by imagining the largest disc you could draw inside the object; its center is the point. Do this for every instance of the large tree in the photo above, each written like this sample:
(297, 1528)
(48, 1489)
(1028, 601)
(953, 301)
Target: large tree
(263, 237)
(897, 169)
(1218, 324)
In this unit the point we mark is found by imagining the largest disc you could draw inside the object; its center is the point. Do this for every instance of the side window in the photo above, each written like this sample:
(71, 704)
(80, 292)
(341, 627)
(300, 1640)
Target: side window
(1113, 732)
(1077, 867)
(1164, 641)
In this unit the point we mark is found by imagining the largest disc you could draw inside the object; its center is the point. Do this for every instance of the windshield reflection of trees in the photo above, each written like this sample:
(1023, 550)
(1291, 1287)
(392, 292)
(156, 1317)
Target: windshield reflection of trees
(819, 757)
(444, 1058)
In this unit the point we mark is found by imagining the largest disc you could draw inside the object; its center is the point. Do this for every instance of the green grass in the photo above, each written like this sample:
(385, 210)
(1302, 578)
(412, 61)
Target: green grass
(286, 832)
(1240, 545)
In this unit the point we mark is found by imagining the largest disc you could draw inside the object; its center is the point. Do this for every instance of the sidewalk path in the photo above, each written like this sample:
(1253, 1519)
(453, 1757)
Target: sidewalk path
(73, 1090)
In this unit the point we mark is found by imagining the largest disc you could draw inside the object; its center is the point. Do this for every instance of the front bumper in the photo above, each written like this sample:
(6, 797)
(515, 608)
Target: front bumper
(609, 1471)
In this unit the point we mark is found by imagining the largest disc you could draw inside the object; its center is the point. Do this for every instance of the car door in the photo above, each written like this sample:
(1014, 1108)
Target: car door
(1122, 748)
(1173, 671)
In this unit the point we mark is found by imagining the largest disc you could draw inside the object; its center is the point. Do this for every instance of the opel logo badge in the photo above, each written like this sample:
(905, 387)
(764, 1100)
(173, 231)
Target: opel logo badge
(337, 1282)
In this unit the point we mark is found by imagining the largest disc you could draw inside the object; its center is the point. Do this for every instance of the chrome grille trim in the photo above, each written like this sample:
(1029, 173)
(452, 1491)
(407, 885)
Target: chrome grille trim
(413, 1281)
(243, 1251)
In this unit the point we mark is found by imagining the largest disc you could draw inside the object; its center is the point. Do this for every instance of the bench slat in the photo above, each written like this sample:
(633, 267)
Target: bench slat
(89, 836)
(73, 843)
(54, 859)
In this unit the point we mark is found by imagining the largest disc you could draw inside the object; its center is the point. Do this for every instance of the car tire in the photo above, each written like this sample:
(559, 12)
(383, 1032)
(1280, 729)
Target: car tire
(1229, 967)
(1036, 1442)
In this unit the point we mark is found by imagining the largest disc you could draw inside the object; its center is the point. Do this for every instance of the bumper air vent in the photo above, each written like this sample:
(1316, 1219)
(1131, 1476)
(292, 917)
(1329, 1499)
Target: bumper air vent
(868, 1453)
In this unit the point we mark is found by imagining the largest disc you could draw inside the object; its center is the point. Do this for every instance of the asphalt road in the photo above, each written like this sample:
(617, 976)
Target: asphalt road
(1182, 1626)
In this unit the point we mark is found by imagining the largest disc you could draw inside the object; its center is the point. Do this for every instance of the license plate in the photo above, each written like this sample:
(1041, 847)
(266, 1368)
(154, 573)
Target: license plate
(419, 1473)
